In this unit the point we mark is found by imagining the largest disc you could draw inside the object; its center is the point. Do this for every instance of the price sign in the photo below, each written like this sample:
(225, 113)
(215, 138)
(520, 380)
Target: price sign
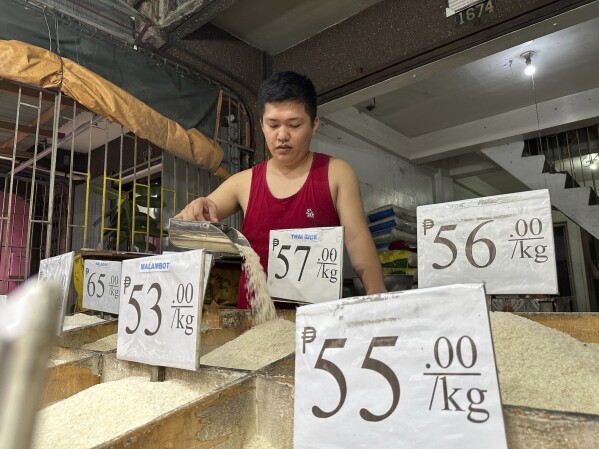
(101, 285)
(306, 265)
(505, 241)
(408, 369)
(60, 270)
(161, 309)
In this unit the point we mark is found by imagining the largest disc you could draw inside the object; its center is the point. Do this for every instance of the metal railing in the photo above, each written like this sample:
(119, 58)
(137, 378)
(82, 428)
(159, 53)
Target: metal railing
(575, 152)
(73, 180)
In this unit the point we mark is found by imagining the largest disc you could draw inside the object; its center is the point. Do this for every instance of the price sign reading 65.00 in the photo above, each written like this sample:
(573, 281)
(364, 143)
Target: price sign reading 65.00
(505, 241)
(383, 373)
(306, 264)
(59, 269)
(101, 285)
(160, 308)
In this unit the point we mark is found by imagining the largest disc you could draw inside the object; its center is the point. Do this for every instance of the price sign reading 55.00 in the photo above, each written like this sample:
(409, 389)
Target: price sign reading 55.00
(160, 308)
(306, 264)
(505, 241)
(384, 373)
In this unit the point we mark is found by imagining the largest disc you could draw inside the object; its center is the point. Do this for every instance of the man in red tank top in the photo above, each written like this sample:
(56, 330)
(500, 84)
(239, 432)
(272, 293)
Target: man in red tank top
(296, 188)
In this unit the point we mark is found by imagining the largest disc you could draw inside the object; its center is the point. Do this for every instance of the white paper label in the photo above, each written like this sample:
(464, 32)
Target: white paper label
(406, 370)
(161, 310)
(101, 285)
(3, 299)
(505, 241)
(306, 265)
(59, 269)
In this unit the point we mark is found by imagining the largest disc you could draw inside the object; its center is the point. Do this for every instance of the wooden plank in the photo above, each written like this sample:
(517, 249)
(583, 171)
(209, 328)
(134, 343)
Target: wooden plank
(75, 338)
(214, 316)
(283, 369)
(31, 92)
(202, 424)
(69, 354)
(70, 378)
(226, 419)
(210, 339)
(218, 317)
(583, 326)
(18, 154)
(110, 255)
(31, 130)
(44, 117)
(529, 428)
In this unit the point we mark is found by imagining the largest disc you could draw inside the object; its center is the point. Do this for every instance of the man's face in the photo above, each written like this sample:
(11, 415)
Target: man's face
(288, 130)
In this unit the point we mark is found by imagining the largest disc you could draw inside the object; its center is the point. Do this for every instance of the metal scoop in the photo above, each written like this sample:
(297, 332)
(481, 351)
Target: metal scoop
(215, 237)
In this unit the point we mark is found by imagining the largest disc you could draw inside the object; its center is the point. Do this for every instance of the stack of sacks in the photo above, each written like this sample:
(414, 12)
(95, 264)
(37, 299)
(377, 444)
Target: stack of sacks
(392, 226)
(393, 230)
(398, 261)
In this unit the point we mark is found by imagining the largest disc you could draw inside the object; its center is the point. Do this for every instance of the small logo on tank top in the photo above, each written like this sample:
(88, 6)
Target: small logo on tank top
(309, 213)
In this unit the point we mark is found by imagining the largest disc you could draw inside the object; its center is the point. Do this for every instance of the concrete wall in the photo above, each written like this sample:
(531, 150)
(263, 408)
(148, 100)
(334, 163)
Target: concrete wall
(393, 37)
(383, 177)
(385, 40)
(578, 266)
(229, 61)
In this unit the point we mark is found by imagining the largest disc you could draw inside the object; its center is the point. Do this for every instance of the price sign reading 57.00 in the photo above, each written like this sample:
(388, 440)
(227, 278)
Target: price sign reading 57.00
(306, 264)
(160, 309)
(413, 371)
(505, 241)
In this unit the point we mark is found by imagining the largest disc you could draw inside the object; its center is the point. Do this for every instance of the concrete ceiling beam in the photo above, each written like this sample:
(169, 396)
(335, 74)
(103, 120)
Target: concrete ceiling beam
(181, 18)
(370, 130)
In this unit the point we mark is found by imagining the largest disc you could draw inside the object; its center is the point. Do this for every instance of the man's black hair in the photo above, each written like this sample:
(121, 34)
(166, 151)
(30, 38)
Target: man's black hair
(288, 86)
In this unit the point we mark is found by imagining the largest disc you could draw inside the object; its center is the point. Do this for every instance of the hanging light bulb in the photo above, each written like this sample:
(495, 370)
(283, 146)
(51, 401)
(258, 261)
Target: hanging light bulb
(530, 69)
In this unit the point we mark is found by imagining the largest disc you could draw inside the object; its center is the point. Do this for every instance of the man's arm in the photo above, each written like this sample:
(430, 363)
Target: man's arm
(226, 199)
(358, 240)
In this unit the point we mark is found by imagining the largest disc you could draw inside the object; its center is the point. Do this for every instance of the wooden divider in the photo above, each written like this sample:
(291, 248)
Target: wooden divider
(582, 326)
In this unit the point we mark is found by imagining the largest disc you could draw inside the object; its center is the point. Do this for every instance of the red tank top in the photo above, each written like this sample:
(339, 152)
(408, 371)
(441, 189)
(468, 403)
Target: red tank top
(311, 206)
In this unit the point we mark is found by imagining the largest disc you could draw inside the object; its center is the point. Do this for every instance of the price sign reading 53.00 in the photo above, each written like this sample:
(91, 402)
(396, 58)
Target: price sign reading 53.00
(383, 373)
(505, 241)
(160, 309)
(306, 264)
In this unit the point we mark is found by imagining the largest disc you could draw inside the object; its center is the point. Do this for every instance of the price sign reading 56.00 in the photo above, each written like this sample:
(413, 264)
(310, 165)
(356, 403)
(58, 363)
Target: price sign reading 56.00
(306, 264)
(160, 309)
(505, 241)
(384, 373)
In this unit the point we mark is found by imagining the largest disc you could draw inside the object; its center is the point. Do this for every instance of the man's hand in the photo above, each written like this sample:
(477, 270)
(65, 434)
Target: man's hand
(200, 209)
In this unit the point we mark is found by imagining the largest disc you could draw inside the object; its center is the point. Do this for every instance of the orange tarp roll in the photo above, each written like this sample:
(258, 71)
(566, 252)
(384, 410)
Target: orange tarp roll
(36, 66)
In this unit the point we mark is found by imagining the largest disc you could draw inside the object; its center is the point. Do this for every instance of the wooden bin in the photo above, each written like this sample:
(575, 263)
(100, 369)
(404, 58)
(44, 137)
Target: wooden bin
(258, 403)
(84, 368)
(582, 326)
(79, 336)
(549, 429)
(81, 369)
(261, 402)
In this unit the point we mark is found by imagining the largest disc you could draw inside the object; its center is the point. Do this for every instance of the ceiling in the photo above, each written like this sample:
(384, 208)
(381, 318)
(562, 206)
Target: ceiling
(567, 62)
(441, 104)
(276, 25)
(446, 107)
